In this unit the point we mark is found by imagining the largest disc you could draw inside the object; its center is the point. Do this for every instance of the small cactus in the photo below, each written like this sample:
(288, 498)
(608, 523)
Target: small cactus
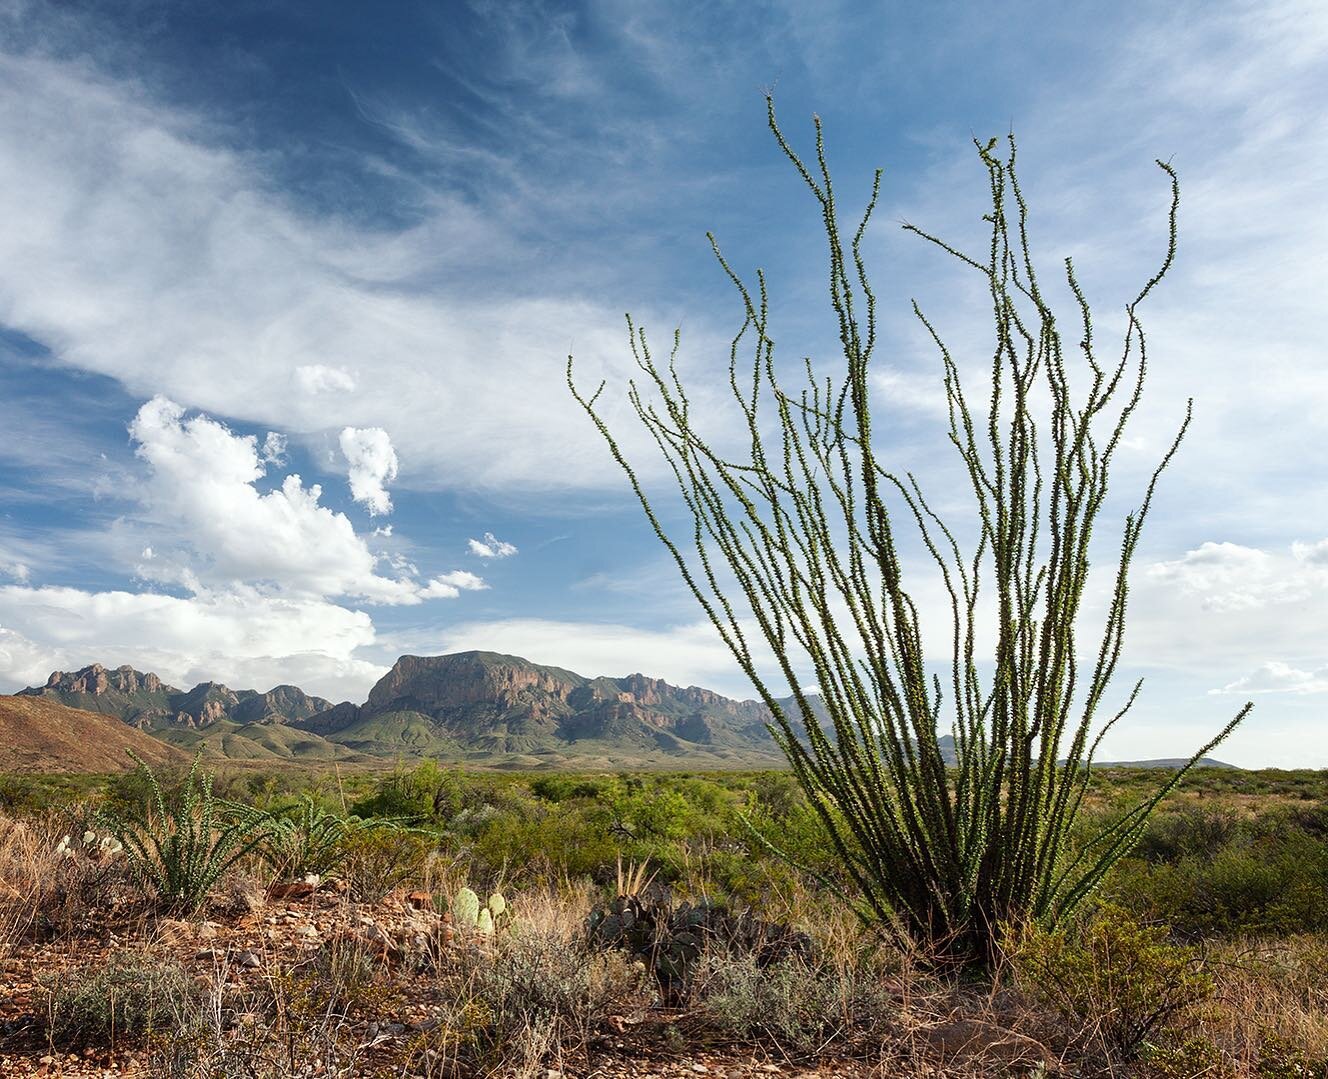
(466, 908)
(497, 905)
(484, 923)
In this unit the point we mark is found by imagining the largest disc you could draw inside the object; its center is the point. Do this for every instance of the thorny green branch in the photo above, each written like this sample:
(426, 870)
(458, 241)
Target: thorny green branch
(804, 533)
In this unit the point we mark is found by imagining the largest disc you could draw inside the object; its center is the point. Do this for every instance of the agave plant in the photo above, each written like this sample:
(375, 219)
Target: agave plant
(182, 850)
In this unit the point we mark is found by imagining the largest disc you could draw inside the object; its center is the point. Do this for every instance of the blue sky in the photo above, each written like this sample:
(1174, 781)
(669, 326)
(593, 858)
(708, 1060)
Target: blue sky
(354, 244)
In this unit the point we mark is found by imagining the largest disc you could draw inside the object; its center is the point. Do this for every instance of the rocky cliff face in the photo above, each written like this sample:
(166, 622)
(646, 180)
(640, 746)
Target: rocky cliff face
(470, 702)
(145, 701)
(98, 681)
(496, 702)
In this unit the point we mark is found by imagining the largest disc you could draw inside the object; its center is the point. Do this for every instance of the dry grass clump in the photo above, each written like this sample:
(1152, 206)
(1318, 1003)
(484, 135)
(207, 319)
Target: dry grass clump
(56, 878)
(799, 1007)
(1272, 1007)
(535, 996)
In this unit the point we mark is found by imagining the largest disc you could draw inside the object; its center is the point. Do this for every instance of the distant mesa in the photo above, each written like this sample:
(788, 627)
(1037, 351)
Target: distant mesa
(480, 707)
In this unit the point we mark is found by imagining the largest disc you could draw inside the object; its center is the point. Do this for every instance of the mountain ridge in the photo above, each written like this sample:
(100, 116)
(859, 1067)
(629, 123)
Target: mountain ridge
(474, 706)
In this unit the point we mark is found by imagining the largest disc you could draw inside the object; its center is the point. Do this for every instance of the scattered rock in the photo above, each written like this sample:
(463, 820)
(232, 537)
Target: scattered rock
(292, 889)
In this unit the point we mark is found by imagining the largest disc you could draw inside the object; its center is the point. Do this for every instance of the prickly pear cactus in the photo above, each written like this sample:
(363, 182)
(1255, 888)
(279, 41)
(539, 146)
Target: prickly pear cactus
(466, 908)
(497, 905)
(484, 923)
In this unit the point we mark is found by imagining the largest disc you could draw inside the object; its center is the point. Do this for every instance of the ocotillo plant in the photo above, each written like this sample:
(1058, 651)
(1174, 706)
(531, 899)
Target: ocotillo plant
(797, 542)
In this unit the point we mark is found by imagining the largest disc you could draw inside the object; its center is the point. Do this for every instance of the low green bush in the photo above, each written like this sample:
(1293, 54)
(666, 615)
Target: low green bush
(1267, 876)
(375, 861)
(1115, 983)
(129, 996)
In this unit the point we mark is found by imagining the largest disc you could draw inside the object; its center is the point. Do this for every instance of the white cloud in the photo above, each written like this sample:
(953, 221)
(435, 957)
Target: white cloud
(451, 585)
(1207, 612)
(1278, 677)
(373, 465)
(1314, 554)
(262, 569)
(316, 378)
(1231, 577)
(202, 486)
(13, 568)
(274, 449)
(240, 636)
(491, 547)
(141, 247)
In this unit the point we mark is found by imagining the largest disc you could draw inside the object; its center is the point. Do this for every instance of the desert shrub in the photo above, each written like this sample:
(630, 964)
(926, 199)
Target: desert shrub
(305, 838)
(1281, 1059)
(1196, 832)
(130, 995)
(670, 939)
(23, 794)
(564, 788)
(540, 997)
(377, 860)
(1114, 983)
(425, 793)
(1270, 878)
(800, 1006)
(181, 850)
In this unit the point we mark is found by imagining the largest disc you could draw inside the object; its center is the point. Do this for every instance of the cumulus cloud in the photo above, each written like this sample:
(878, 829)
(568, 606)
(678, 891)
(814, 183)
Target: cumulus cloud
(13, 568)
(373, 465)
(491, 547)
(451, 585)
(241, 636)
(316, 378)
(1232, 577)
(274, 449)
(203, 493)
(1278, 677)
(1312, 554)
(1204, 613)
(203, 484)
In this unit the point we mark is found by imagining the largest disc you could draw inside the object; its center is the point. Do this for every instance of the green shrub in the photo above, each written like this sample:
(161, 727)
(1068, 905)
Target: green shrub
(1115, 984)
(130, 995)
(306, 838)
(1258, 883)
(424, 793)
(1280, 1059)
(378, 860)
(182, 850)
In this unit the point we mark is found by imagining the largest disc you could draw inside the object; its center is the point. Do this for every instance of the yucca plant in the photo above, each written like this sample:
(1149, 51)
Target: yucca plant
(182, 848)
(795, 541)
